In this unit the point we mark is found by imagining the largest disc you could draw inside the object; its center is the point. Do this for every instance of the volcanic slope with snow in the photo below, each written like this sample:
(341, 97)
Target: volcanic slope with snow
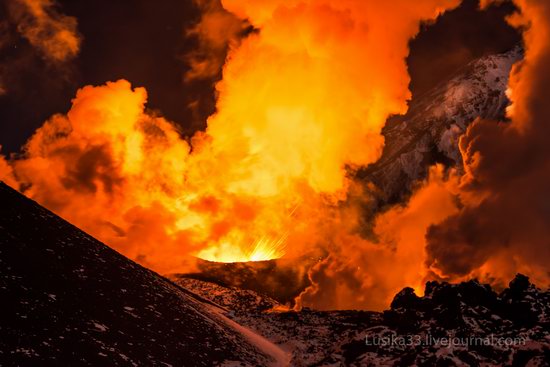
(466, 324)
(428, 133)
(69, 300)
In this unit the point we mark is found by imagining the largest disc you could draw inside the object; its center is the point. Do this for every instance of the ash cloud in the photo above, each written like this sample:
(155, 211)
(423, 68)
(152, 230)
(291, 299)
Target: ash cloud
(503, 225)
(217, 31)
(46, 28)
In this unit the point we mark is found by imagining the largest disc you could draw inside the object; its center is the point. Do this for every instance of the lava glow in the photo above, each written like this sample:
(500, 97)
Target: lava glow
(262, 249)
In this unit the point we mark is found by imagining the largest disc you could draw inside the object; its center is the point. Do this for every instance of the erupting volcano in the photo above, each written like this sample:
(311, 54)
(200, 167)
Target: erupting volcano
(308, 154)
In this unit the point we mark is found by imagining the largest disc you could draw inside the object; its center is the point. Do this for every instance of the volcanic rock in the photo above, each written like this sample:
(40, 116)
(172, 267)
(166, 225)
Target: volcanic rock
(465, 324)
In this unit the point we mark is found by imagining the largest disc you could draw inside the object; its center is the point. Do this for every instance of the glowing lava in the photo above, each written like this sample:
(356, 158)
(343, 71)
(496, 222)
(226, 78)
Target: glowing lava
(263, 249)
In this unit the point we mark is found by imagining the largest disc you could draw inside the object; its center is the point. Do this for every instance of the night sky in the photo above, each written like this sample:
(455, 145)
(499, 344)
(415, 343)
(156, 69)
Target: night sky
(146, 43)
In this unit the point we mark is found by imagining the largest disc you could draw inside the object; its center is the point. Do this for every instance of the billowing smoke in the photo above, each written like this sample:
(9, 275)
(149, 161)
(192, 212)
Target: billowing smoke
(217, 31)
(301, 105)
(6, 172)
(502, 227)
(367, 274)
(53, 33)
(113, 169)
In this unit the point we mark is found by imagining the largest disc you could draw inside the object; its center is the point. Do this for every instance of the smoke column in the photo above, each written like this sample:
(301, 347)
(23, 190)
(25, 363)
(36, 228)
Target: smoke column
(300, 106)
(503, 225)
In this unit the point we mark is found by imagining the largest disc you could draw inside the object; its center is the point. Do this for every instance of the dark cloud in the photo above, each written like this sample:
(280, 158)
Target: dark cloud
(53, 34)
(142, 43)
(217, 32)
(505, 188)
(93, 165)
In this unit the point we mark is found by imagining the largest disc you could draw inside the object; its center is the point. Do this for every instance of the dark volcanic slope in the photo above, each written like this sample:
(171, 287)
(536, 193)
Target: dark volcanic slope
(69, 300)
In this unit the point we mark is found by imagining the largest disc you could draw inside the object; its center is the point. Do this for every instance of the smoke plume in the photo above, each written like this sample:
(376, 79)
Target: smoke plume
(300, 106)
(366, 274)
(217, 31)
(53, 33)
(113, 169)
(6, 172)
(502, 227)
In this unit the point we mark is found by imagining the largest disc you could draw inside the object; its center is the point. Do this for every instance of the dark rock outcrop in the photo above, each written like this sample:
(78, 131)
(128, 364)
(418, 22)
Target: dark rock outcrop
(466, 324)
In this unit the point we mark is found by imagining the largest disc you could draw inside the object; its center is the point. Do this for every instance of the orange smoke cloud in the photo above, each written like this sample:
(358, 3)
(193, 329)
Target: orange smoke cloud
(217, 31)
(301, 105)
(502, 227)
(360, 273)
(6, 172)
(310, 93)
(51, 32)
(113, 170)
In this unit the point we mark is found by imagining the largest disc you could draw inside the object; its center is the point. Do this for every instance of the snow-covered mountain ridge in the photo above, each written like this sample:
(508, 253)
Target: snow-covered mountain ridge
(430, 130)
(69, 300)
